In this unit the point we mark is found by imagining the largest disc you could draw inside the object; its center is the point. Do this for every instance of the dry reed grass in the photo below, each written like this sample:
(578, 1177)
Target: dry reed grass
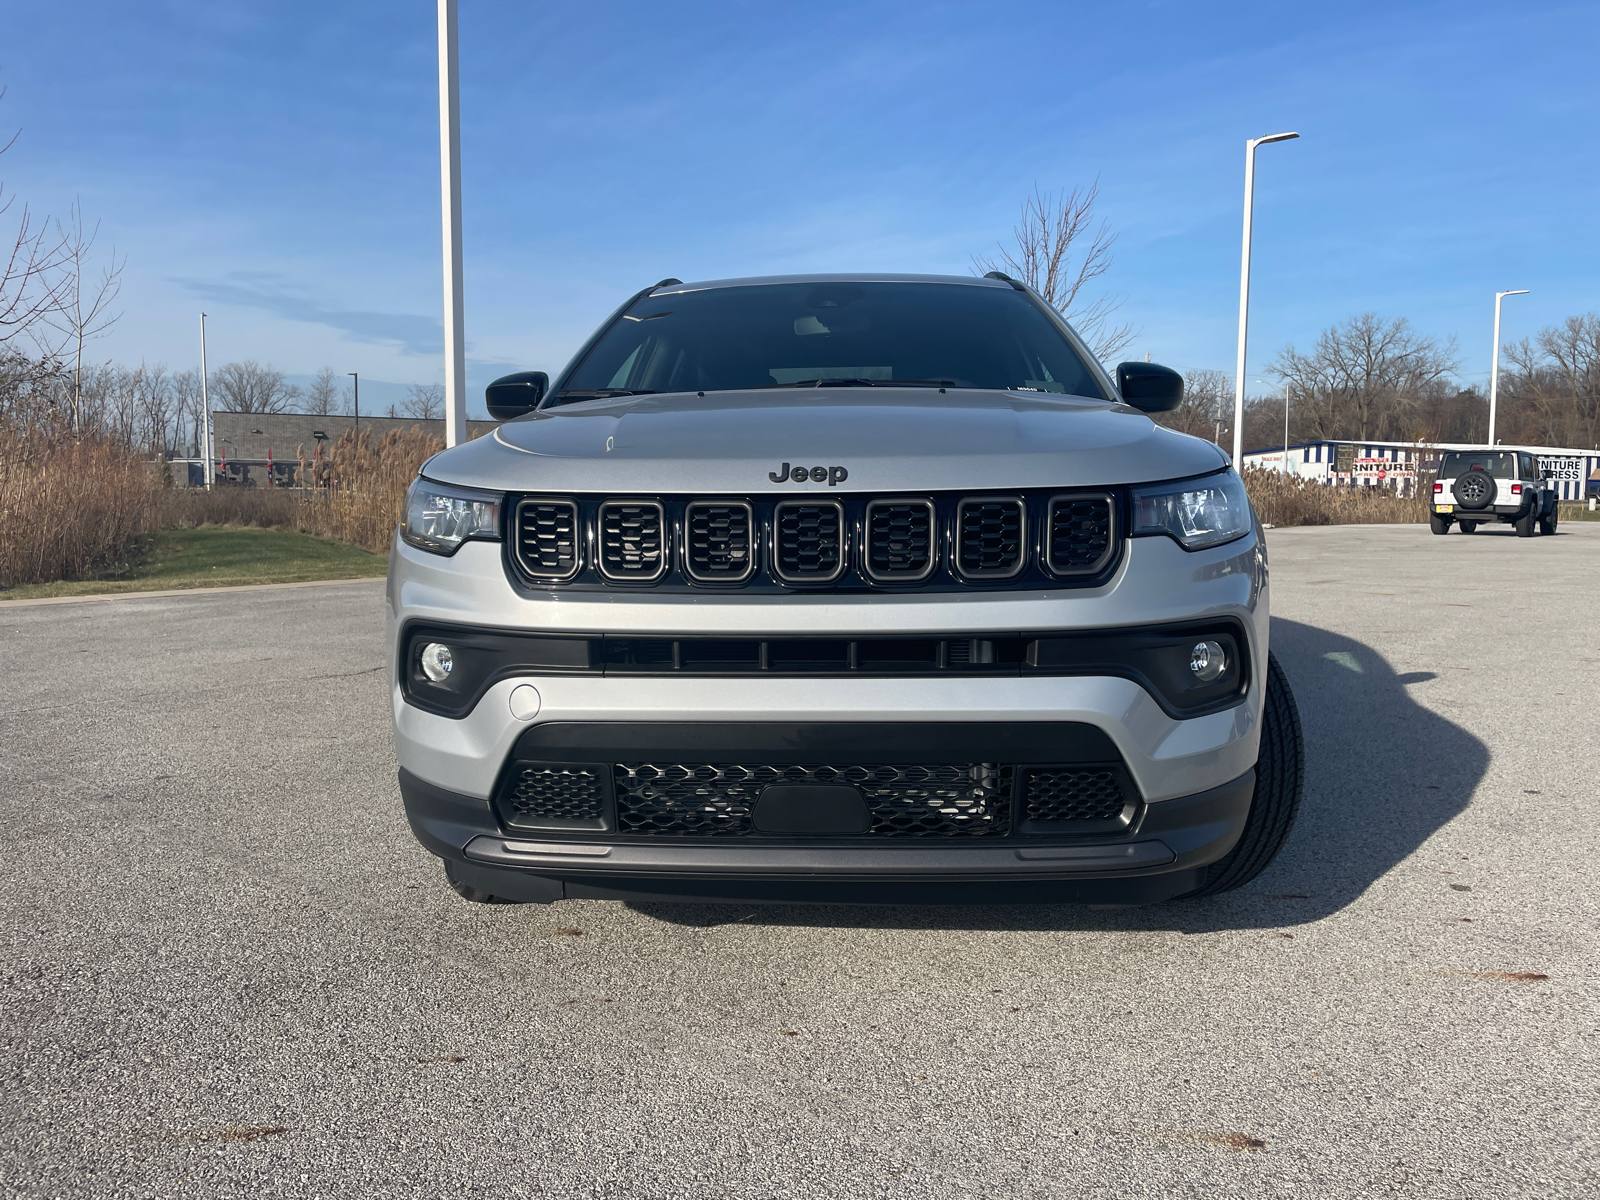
(1287, 500)
(360, 487)
(70, 508)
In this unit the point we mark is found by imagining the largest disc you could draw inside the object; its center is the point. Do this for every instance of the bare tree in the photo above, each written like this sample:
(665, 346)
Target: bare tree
(1205, 395)
(322, 397)
(1364, 376)
(81, 312)
(1557, 378)
(191, 414)
(1058, 250)
(425, 401)
(30, 278)
(249, 387)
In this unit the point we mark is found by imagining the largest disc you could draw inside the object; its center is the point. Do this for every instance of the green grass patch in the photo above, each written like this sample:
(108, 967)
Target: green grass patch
(220, 556)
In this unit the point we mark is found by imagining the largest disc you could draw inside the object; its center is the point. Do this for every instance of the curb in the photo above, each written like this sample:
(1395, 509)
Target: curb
(196, 591)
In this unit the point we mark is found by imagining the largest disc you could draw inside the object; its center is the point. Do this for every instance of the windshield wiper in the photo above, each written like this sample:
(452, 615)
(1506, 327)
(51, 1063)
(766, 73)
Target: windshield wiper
(572, 395)
(801, 383)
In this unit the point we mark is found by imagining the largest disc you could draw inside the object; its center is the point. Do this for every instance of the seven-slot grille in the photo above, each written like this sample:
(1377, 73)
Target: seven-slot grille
(1080, 534)
(989, 538)
(632, 542)
(808, 541)
(718, 542)
(900, 540)
(547, 538)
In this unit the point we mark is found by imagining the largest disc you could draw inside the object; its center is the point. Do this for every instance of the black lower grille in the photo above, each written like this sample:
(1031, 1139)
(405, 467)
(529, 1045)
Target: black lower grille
(537, 793)
(717, 799)
(1073, 794)
(1079, 538)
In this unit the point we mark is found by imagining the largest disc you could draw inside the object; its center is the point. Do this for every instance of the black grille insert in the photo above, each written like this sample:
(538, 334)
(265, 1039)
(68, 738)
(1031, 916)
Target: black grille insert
(547, 538)
(632, 542)
(808, 541)
(990, 538)
(1077, 793)
(1080, 536)
(718, 542)
(543, 796)
(900, 540)
(717, 799)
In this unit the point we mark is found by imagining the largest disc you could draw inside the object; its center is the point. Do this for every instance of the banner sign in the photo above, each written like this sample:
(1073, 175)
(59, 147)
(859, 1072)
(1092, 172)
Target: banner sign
(1383, 468)
(1562, 468)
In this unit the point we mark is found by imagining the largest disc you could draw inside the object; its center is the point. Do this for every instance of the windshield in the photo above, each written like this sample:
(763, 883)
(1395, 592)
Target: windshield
(1498, 463)
(832, 335)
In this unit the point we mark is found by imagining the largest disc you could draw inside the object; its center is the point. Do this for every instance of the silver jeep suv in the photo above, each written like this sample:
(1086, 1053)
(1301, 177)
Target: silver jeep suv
(1474, 487)
(838, 588)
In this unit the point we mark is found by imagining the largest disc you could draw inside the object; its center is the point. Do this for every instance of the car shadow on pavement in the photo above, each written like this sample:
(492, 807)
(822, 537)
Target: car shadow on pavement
(1383, 774)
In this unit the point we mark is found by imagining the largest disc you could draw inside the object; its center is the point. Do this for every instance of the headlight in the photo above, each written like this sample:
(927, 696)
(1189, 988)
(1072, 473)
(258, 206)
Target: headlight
(1196, 512)
(439, 518)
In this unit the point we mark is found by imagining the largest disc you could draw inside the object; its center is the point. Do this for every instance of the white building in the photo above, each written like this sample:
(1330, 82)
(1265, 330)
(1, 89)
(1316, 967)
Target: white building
(1396, 463)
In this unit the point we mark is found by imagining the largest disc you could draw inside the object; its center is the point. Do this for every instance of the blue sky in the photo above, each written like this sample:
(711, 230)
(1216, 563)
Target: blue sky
(277, 164)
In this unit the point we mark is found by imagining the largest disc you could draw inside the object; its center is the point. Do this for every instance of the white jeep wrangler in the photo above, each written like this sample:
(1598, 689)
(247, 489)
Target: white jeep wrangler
(1476, 486)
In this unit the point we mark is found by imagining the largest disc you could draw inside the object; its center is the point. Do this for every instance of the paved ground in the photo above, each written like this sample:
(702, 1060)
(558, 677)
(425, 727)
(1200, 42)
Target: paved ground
(228, 970)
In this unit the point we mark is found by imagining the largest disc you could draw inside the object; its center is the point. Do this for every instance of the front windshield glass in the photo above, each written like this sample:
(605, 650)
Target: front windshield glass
(832, 335)
(1500, 464)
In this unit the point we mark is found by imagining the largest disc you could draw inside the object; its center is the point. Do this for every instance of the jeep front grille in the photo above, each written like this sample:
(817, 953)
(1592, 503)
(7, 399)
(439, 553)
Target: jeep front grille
(718, 541)
(537, 794)
(547, 538)
(900, 540)
(989, 538)
(717, 799)
(808, 541)
(632, 542)
(1080, 534)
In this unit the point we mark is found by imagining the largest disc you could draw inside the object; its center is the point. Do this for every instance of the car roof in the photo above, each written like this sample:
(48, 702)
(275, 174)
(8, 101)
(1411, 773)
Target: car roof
(857, 277)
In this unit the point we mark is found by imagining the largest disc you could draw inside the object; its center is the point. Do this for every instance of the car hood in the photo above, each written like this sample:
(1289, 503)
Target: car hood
(886, 439)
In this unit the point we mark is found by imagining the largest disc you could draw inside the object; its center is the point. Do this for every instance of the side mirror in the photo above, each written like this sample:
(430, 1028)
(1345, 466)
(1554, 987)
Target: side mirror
(1149, 387)
(513, 395)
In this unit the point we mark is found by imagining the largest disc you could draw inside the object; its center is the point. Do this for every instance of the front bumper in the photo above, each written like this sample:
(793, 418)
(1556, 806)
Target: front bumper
(1162, 855)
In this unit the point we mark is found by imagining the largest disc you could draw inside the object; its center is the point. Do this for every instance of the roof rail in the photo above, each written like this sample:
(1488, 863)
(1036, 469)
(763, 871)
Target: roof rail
(1004, 278)
(666, 283)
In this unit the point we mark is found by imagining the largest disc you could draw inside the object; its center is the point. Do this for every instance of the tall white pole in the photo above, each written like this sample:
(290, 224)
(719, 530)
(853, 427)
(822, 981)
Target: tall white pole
(1244, 291)
(455, 365)
(1285, 431)
(205, 405)
(1494, 362)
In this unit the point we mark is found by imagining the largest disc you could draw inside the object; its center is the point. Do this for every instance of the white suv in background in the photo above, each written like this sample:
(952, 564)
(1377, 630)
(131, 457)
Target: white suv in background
(1477, 486)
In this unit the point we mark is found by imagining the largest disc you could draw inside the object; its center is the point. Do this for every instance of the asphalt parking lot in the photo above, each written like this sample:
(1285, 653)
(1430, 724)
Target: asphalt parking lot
(229, 971)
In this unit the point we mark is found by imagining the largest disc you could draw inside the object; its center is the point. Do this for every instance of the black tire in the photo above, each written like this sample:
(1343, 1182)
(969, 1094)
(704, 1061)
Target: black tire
(1547, 525)
(1527, 525)
(466, 891)
(1280, 779)
(1438, 524)
(1469, 527)
(1473, 490)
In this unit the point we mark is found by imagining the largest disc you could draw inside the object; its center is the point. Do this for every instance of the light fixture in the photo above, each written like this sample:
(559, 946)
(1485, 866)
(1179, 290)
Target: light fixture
(437, 661)
(1208, 661)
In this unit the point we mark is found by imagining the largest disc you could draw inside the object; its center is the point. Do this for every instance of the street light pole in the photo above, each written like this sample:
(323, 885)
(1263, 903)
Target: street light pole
(206, 446)
(1494, 363)
(1244, 288)
(356, 393)
(455, 367)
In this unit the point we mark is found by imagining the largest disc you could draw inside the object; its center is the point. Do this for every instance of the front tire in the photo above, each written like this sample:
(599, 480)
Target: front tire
(466, 891)
(1438, 524)
(1547, 525)
(1280, 780)
(1469, 527)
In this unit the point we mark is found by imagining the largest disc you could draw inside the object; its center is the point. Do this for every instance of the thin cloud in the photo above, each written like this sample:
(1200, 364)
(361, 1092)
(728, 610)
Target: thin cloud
(254, 289)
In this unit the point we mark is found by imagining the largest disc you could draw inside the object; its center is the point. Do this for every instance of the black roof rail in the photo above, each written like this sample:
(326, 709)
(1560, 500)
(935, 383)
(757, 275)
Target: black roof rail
(666, 283)
(1004, 278)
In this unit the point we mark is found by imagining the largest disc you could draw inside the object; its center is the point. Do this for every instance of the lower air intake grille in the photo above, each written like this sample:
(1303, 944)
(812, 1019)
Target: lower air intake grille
(718, 538)
(712, 800)
(809, 541)
(631, 542)
(1073, 794)
(547, 538)
(538, 794)
(989, 538)
(900, 537)
(1079, 534)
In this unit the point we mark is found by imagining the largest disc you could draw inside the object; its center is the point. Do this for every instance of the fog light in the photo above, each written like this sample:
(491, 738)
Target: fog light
(437, 661)
(1208, 661)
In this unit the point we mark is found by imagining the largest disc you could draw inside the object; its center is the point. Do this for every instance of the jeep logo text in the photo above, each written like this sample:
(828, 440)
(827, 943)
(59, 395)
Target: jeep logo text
(828, 475)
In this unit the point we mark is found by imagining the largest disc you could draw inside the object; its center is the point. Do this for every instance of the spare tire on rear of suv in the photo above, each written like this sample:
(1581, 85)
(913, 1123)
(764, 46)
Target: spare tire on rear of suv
(1475, 489)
